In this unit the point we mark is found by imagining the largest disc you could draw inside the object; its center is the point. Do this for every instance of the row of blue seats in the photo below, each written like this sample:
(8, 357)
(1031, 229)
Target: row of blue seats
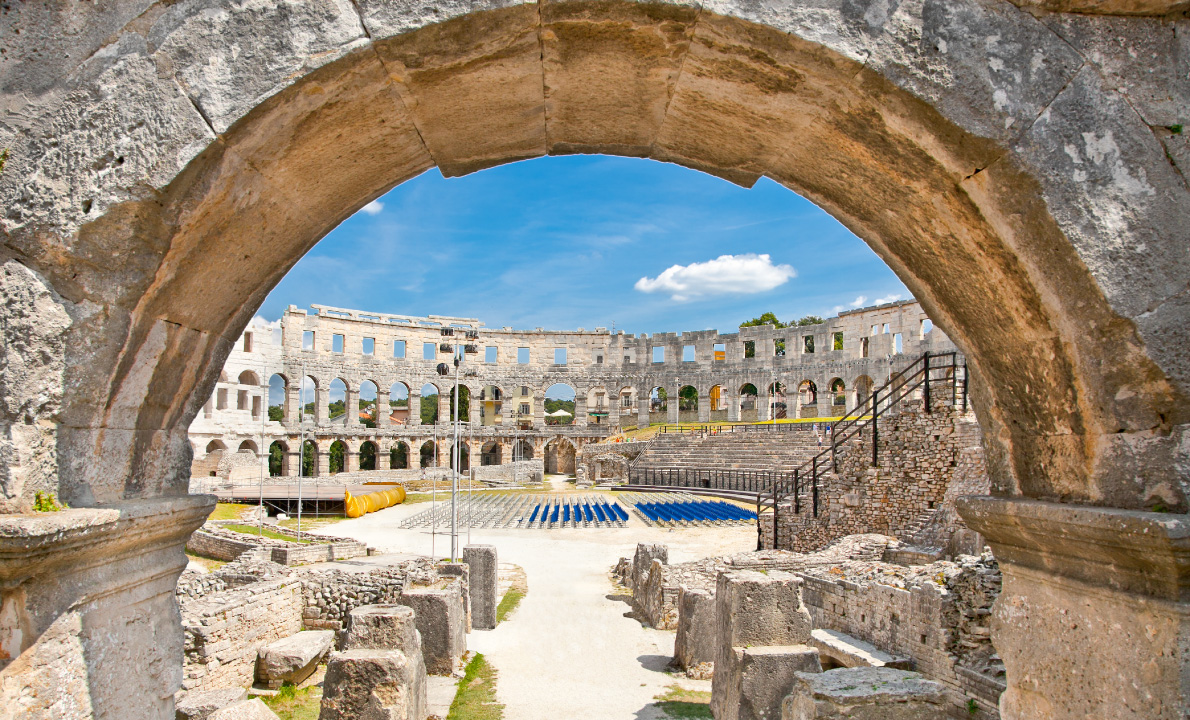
(686, 511)
(585, 512)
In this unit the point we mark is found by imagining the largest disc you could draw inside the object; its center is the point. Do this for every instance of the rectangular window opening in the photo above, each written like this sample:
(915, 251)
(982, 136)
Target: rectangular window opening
(897, 343)
(687, 353)
(308, 340)
(863, 347)
(808, 344)
(522, 356)
(337, 343)
(926, 326)
(779, 347)
(429, 351)
(255, 406)
(659, 354)
(885, 328)
(838, 344)
(524, 391)
(247, 342)
(368, 346)
(875, 329)
(221, 399)
(559, 356)
(749, 348)
(399, 349)
(242, 400)
(489, 354)
(720, 350)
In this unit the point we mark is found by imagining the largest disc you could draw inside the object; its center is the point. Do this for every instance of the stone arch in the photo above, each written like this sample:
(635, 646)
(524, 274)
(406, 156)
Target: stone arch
(914, 149)
(398, 456)
(278, 458)
(863, 387)
(427, 454)
(368, 403)
(464, 450)
(311, 456)
(559, 404)
(369, 454)
(490, 454)
(522, 450)
(559, 456)
(838, 395)
(688, 401)
(338, 391)
(778, 408)
(598, 405)
(338, 457)
(491, 405)
(430, 404)
(747, 399)
(398, 403)
(215, 445)
(278, 401)
(807, 399)
(248, 378)
(248, 446)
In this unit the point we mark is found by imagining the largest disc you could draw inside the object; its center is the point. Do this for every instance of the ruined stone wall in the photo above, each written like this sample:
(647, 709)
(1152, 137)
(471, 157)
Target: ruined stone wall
(223, 631)
(926, 461)
(215, 542)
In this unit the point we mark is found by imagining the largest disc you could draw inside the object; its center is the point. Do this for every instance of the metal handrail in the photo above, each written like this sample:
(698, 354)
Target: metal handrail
(898, 389)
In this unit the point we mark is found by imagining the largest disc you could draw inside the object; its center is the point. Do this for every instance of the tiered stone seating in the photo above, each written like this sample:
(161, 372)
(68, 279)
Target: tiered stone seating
(774, 451)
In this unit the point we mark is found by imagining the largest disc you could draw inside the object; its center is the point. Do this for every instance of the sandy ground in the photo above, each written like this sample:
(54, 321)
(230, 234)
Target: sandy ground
(570, 651)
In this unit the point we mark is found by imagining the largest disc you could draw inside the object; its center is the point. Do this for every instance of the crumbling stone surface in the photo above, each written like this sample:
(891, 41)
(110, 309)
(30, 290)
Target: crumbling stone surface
(867, 693)
(201, 704)
(294, 658)
(695, 643)
(390, 627)
(765, 676)
(442, 623)
(372, 684)
(482, 585)
(253, 709)
(642, 561)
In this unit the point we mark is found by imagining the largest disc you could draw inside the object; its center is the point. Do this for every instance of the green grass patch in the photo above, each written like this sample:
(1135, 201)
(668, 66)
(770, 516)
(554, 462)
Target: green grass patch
(228, 511)
(508, 604)
(311, 522)
(681, 703)
(254, 530)
(476, 697)
(292, 703)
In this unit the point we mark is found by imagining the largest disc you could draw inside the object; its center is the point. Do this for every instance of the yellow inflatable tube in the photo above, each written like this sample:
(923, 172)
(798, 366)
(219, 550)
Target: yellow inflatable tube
(360, 505)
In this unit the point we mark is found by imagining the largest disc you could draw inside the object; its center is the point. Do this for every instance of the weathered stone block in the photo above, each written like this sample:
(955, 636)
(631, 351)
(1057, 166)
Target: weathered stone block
(373, 684)
(201, 704)
(846, 651)
(293, 659)
(874, 693)
(439, 617)
(253, 709)
(382, 627)
(642, 561)
(694, 646)
(482, 585)
(463, 571)
(765, 676)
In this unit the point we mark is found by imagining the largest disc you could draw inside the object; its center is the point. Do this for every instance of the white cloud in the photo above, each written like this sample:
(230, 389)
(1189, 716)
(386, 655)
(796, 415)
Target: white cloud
(372, 208)
(727, 274)
(260, 325)
(887, 299)
(859, 301)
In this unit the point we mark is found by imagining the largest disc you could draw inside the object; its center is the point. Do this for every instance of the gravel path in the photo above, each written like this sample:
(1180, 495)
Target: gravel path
(569, 651)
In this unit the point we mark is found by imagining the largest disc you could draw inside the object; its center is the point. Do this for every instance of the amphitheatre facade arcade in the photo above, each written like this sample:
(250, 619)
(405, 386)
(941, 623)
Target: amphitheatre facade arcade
(1021, 165)
(617, 380)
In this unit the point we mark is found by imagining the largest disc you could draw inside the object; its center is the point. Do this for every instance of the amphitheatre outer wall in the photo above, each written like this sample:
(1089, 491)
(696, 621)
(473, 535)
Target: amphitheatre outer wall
(612, 375)
(1021, 167)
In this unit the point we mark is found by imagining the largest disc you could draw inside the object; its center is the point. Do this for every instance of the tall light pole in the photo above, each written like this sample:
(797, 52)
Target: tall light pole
(457, 351)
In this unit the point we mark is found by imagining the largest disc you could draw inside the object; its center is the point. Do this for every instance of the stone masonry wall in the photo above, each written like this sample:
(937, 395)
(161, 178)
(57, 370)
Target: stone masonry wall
(223, 631)
(926, 460)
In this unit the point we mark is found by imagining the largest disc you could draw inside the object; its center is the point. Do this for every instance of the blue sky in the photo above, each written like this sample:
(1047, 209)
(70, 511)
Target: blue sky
(588, 241)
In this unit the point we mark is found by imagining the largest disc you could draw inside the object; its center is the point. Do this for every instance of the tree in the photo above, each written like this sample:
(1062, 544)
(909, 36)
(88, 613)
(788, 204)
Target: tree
(276, 413)
(308, 459)
(767, 318)
(429, 409)
(336, 456)
(276, 457)
(810, 320)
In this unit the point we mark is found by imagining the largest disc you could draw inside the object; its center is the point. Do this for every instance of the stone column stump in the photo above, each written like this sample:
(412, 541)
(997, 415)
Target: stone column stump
(694, 646)
(482, 585)
(373, 684)
(762, 635)
(441, 619)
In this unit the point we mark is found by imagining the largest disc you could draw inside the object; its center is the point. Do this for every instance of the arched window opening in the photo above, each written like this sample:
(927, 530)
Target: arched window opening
(748, 395)
(308, 397)
(398, 457)
(428, 456)
(491, 405)
(778, 409)
(336, 409)
(522, 450)
(278, 388)
(464, 457)
(337, 462)
(368, 394)
(429, 404)
(248, 378)
(807, 399)
(464, 410)
(559, 456)
(687, 404)
(248, 446)
(559, 404)
(367, 455)
(277, 457)
(490, 454)
(310, 459)
(838, 395)
(398, 403)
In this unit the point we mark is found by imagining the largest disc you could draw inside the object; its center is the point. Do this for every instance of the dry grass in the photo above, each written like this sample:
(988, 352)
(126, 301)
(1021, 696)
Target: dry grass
(476, 697)
(294, 703)
(679, 702)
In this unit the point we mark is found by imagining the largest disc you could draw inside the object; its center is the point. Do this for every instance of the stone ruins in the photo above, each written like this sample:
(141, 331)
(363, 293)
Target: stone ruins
(1021, 165)
(758, 373)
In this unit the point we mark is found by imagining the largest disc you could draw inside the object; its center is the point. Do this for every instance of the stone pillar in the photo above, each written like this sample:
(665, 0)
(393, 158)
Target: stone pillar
(293, 405)
(732, 400)
(292, 460)
(481, 559)
(444, 414)
(414, 409)
(580, 410)
(351, 408)
(322, 460)
(372, 683)
(764, 402)
(642, 410)
(704, 407)
(473, 409)
(440, 618)
(384, 411)
(1093, 619)
(322, 400)
(762, 630)
(672, 404)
